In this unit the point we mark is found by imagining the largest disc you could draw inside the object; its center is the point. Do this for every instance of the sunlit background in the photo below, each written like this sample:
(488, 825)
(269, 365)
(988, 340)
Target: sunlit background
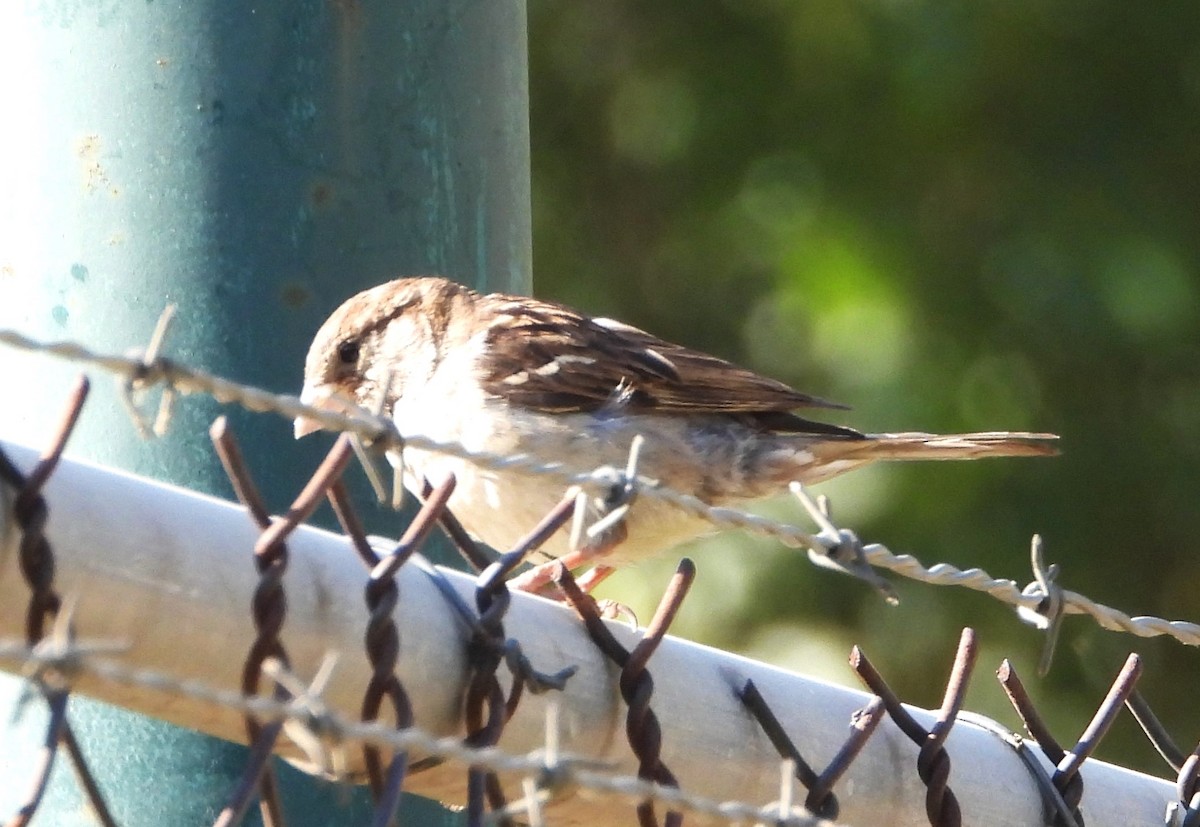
(951, 217)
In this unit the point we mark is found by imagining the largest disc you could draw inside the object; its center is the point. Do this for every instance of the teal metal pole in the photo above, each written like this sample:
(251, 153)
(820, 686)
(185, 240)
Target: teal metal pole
(253, 164)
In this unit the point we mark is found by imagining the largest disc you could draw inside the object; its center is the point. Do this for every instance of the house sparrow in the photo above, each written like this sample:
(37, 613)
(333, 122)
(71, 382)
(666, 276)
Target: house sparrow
(515, 375)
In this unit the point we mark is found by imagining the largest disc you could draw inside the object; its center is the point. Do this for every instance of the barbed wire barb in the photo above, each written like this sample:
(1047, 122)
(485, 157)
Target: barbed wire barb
(133, 388)
(1048, 615)
(839, 549)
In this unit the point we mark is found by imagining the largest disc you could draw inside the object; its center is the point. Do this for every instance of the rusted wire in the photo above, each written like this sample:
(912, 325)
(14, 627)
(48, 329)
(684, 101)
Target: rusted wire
(636, 684)
(268, 607)
(1186, 811)
(1159, 738)
(486, 708)
(51, 667)
(256, 776)
(820, 800)
(96, 803)
(269, 604)
(458, 536)
(30, 513)
(535, 680)
(57, 701)
(382, 639)
(933, 762)
(1067, 779)
(36, 561)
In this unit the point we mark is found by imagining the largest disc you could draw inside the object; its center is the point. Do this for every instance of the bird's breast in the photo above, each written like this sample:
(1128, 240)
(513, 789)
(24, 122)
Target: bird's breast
(500, 505)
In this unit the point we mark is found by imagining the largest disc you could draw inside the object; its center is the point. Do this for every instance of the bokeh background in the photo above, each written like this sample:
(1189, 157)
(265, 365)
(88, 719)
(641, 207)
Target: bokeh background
(951, 216)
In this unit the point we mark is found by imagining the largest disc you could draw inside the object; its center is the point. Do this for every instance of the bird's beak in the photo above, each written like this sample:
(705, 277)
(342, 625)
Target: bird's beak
(318, 397)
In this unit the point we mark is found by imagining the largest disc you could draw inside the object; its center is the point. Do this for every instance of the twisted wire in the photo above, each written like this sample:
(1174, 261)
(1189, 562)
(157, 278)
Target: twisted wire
(81, 660)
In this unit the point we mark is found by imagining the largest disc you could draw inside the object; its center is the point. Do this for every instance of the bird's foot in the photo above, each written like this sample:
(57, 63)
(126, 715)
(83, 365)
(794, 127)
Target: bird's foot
(612, 610)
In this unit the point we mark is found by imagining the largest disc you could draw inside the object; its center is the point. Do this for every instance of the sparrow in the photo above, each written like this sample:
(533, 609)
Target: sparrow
(512, 375)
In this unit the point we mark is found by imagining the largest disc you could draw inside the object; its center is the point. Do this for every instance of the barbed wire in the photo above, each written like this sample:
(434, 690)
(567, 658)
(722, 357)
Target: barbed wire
(140, 373)
(54, 660)
(68, 661)
(60, 660)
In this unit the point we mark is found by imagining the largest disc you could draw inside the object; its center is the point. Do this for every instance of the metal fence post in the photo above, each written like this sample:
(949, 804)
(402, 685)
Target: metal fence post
(253, 164)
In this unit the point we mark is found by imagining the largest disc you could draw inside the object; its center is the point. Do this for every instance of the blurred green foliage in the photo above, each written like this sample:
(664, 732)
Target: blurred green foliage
(952, 216)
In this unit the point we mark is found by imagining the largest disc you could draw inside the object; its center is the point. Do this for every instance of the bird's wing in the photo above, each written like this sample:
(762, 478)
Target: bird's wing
(547, 357)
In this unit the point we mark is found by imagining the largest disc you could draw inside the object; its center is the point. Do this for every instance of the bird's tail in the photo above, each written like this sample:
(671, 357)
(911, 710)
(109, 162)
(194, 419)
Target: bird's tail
(937, 446)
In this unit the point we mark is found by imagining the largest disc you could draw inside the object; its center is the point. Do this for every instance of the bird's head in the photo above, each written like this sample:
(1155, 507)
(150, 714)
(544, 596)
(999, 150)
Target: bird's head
(379, 341)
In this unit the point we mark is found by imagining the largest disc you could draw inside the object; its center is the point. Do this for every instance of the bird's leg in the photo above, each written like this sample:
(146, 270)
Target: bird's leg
(593, 577)
(537, 581)
(539, 577)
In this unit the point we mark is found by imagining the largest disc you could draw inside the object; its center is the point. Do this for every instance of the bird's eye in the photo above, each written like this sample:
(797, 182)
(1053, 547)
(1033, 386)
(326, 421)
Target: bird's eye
(347, 352)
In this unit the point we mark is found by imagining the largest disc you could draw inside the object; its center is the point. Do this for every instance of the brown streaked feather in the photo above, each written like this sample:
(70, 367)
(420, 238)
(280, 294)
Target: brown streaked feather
(922, 446)
(550, 358)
